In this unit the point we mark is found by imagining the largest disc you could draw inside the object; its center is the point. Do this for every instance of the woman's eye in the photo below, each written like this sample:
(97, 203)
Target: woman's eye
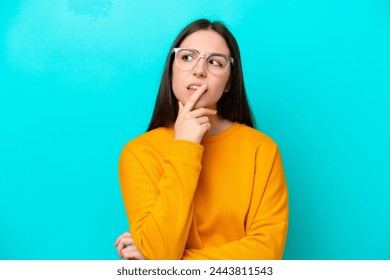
(187, 57)
(214, 62)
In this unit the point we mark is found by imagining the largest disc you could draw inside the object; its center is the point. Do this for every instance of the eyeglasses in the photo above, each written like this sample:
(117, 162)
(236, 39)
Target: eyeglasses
(216, 63)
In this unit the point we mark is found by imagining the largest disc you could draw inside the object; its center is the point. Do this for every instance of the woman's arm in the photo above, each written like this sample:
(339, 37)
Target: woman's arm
(159, 199)
(158, 196)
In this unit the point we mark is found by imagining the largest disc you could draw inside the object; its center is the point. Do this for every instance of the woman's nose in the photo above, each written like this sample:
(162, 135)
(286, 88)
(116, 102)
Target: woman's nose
(200, 67)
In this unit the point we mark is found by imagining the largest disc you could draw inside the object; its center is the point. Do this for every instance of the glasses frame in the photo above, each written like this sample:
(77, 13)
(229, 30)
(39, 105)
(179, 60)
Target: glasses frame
(229, 59)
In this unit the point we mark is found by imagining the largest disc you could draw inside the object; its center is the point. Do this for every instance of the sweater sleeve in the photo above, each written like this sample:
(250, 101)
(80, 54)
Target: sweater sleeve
(267, 219)
(159, 197)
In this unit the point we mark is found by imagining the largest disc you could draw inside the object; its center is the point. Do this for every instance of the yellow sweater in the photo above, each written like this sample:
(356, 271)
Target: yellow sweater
(223, 199)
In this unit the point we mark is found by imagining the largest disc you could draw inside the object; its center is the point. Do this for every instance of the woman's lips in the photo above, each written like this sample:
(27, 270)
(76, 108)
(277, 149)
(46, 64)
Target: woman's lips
(193, 88)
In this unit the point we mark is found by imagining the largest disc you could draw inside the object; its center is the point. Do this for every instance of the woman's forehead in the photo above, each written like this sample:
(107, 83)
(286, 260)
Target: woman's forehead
(206, 41)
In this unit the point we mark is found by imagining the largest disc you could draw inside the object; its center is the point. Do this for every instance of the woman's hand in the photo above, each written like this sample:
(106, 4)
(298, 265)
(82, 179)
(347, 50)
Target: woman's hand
(191, 125)
(126, 247)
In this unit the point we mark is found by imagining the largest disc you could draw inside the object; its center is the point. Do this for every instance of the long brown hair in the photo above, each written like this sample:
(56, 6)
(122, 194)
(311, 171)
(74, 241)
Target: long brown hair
(232, 106)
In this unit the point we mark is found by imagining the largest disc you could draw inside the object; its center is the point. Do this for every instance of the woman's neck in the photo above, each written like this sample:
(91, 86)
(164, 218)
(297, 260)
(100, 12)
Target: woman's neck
(217, 125)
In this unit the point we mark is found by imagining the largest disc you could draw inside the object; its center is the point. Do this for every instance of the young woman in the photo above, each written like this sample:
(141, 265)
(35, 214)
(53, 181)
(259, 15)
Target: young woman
(202, 183)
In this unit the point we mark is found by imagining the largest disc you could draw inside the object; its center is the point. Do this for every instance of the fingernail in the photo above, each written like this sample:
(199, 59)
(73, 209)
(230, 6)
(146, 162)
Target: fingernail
(204, 86)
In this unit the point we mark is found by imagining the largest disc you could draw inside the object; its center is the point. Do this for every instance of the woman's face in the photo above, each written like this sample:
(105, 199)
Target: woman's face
(184, 82)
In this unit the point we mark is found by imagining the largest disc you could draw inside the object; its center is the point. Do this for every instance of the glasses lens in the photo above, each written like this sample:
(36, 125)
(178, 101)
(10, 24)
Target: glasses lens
(217, 64)
(186, 59)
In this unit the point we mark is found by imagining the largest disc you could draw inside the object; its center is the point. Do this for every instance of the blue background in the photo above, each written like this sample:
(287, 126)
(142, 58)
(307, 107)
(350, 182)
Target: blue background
(78, 79)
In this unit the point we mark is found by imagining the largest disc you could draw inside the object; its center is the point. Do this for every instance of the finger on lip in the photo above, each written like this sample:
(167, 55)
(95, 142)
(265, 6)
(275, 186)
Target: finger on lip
(199, 92)
(202, 88)
(197, 87)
